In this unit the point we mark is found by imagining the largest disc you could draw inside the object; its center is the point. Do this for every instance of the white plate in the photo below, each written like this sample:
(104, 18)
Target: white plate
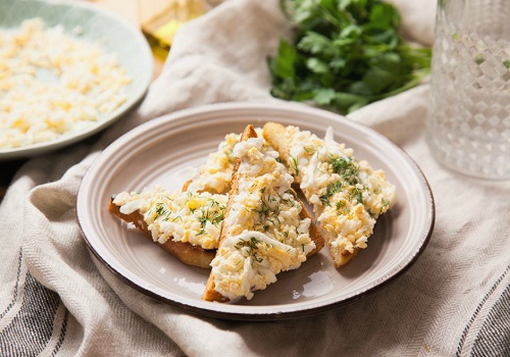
(115, 36)
(162, 150)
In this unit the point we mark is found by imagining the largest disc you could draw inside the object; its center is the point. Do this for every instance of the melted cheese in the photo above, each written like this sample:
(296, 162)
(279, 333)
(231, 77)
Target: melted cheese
(348, 195)
(186, 217)
(264, 232)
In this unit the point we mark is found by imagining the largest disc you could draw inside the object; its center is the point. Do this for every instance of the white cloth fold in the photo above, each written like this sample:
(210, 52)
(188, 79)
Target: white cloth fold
(216, 58)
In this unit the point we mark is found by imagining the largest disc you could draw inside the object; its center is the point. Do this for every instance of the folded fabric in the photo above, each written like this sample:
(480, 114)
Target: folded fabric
(55, 299)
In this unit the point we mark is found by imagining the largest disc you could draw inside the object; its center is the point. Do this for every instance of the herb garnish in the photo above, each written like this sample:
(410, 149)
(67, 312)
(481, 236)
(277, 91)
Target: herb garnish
(251, 244)
(263, 210)
(346, 167)
(346, 54)
(331, 189)
(309, 150)
(341, 206)
(357, 193)
(294, 164)
(214, 214)
(384, 204)
(162, 211)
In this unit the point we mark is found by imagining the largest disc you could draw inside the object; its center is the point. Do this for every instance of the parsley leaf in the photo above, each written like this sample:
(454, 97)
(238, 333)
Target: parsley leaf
(346, 54)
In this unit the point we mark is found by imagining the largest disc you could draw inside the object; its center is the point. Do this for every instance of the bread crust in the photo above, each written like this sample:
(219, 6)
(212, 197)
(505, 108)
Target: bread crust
(210, 294)
(185, 252)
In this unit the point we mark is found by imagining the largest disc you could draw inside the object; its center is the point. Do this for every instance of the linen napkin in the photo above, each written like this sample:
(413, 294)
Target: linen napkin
(55, 300)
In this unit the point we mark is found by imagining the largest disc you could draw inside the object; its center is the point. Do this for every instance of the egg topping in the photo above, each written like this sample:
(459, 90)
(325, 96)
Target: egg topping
(186, 217)
(264, 232)
(347, 195)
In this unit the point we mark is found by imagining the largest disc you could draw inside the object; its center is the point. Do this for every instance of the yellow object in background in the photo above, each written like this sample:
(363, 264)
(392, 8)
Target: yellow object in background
(161, 20)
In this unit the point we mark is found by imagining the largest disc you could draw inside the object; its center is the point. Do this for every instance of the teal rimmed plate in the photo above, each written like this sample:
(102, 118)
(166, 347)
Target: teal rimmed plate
(114, 34)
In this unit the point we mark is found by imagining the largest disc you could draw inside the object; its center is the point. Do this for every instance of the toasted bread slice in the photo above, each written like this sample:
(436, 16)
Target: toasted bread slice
(276, 135)
(215, 175)
(348, 197)
(214, 178)
(185, 252)
(211, 294)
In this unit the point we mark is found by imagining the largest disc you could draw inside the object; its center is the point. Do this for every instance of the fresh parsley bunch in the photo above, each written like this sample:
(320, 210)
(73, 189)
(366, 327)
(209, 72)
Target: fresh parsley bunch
(346, 54)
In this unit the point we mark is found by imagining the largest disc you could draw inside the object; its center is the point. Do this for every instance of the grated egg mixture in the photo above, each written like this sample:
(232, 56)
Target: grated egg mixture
(264, 233)
(215, 175)
(186, 217)
(52, 83)
(347, 195)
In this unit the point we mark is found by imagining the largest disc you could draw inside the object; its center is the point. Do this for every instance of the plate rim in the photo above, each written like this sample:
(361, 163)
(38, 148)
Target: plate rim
(261, 315)
(44, 147)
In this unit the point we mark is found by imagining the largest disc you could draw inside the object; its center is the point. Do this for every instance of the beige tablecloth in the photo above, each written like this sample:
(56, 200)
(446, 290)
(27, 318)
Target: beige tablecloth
(55, 300)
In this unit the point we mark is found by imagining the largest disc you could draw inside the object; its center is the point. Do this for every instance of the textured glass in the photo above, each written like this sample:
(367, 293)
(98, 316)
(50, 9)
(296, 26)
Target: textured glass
(469, 123)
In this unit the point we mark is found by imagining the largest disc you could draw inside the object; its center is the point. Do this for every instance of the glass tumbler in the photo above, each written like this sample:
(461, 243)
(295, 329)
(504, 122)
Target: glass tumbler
(468, 128)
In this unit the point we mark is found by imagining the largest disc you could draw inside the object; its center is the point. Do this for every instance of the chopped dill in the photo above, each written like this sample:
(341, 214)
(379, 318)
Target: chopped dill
(214, 214)
(162, 211)
(294, 164)
(346, 167)
(263, 209)
(341, 207)
(214, 202)
(251, 244)
(309, 149)
(357, 193)
(384, 203)
(331, 189)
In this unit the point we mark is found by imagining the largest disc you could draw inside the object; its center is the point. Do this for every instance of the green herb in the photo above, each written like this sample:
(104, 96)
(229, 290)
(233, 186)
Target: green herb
(341, 206)
(162, 211)
(346, 167)
(506, 64)
(331, 189)
(213, 202)
(346, 54)
(263, 210)
(214, 214)
(251, 244)
(309, 150)
(384, 204)
(286, 200)
(357, 193)
(294, 164)
(479, 59)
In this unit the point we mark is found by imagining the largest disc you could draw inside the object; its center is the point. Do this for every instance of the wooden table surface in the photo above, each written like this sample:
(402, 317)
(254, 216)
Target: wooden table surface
(129, 9)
